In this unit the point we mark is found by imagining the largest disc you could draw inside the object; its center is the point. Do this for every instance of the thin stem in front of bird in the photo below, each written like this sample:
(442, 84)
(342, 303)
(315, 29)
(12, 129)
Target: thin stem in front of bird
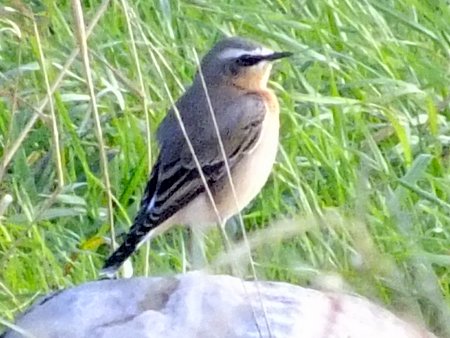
(233, 190)
(223, 234)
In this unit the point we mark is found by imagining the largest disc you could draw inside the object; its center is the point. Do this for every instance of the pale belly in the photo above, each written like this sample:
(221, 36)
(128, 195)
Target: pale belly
(251, 173)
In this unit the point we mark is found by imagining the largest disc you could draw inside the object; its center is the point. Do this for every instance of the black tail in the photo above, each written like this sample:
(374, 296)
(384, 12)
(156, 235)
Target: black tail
(137, 234)
(118, 257)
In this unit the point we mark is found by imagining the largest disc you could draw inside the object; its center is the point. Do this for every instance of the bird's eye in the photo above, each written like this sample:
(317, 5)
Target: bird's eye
(248, 60)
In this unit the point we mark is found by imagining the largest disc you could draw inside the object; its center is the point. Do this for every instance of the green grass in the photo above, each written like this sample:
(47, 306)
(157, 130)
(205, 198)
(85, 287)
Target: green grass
(361, 187)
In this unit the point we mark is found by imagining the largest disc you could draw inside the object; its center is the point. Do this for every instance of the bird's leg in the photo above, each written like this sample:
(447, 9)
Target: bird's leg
(197, 252)
(223, 234)
(233, 267)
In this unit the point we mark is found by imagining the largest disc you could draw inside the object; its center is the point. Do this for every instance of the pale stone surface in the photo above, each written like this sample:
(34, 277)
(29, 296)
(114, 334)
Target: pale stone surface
(200, 305)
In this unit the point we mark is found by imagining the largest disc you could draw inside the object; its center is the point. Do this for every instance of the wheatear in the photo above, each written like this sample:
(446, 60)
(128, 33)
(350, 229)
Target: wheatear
(235, 72)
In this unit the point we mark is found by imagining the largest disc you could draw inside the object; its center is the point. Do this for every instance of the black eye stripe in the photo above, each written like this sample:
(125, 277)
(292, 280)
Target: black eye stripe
(247, 60)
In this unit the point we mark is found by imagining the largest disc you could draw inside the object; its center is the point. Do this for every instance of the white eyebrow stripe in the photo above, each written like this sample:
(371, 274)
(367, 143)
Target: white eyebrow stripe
(232, 53)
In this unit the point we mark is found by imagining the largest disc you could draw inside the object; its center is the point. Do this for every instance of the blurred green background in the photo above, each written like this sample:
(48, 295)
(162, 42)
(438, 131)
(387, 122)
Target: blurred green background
(359, 199)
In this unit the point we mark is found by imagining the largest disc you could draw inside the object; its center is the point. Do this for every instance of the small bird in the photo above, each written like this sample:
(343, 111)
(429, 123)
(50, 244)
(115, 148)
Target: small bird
(235, 73)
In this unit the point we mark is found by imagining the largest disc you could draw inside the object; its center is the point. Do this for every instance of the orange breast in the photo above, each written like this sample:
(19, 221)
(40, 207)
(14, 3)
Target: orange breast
(270, 100)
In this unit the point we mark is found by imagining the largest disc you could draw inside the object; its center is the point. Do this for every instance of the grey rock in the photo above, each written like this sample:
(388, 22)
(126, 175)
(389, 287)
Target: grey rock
(200, 305)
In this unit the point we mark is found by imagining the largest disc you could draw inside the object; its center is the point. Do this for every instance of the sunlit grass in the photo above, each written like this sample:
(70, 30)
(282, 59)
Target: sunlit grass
(361, 187)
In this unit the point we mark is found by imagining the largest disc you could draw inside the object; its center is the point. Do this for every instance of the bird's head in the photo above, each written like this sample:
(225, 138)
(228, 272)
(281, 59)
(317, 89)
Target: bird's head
(239, 62)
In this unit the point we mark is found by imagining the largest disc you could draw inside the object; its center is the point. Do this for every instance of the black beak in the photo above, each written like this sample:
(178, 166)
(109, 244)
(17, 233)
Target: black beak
(277, 55)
